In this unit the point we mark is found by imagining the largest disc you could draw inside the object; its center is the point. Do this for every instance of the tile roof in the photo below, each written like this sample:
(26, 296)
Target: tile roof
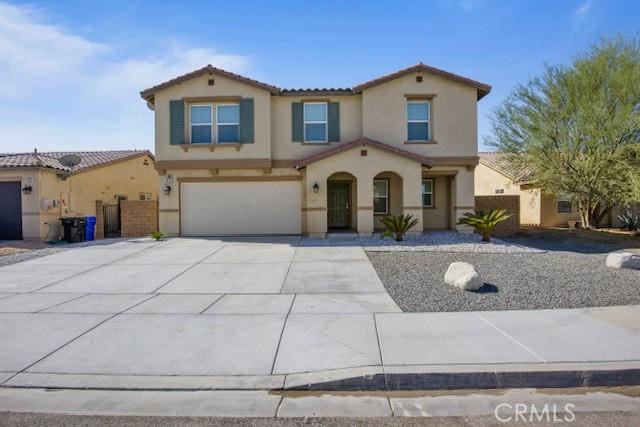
(482, 88)
(364, 142)
(208, 69)
(499, 163)
(322, 92)
(51, 160)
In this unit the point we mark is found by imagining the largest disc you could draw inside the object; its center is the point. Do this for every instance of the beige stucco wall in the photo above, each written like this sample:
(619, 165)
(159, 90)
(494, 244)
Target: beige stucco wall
(487, 181)
(438, 217)
(549, 215)
(283, 148)
(530, 206)
(453, 115)
(79, 192)
(198, 87)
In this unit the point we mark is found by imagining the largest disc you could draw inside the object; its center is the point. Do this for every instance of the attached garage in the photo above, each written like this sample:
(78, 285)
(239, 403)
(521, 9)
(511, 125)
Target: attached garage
(10, 211)
(237, 208)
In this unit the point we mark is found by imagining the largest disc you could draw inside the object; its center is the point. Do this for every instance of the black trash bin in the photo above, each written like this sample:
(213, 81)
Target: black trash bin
(73, 229)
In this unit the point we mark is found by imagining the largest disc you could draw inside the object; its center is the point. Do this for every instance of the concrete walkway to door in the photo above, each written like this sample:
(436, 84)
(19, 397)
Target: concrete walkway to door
(262, 313)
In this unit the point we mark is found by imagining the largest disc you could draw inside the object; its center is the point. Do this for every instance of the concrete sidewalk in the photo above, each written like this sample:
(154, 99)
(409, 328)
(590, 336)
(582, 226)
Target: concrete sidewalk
(266, 314)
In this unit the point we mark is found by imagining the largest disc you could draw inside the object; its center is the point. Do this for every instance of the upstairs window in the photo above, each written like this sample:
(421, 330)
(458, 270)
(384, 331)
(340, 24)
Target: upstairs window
(427, 193)
(418, 120)
(315, 121)
(201, 124)
(228, 123)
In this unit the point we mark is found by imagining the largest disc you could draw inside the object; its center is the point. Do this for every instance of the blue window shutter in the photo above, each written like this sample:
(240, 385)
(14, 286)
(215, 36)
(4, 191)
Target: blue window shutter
(246, 121)
(297, 122)
(333, 114)
(176, 122)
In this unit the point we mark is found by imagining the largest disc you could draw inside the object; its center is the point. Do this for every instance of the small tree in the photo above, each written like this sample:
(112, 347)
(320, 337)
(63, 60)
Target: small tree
(484, 223)
(576, 129)
(398, 225)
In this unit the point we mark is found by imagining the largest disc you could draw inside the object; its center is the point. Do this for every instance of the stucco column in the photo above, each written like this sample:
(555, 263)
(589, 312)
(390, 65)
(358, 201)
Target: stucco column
(463, 198)
(412, 195)
(315, 208)
(365, 205)
(169, 206)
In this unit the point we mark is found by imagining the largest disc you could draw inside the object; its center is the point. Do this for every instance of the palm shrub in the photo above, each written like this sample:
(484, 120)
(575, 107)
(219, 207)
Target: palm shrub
(485, 223)
(157, 235)
(630, 221)
(398, 225)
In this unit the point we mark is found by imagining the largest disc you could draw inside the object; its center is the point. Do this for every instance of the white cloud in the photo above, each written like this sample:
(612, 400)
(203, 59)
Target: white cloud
(583, 10)
(581, 15)
(59, 90)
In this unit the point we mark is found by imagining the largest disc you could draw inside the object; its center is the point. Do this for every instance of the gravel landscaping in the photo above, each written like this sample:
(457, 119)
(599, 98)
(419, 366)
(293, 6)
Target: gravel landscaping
(570, 273)
(443, 241)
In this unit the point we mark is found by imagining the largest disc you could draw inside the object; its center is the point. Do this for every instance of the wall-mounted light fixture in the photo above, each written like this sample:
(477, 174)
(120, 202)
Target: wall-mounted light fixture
(27, 189)
(168, 181)
(316, 187)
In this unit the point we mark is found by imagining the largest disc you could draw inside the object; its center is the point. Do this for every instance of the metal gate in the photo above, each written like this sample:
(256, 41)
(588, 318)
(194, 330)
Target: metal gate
(111, 220)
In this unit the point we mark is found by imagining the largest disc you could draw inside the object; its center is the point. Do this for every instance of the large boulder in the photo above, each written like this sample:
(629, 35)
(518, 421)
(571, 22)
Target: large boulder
(624, 260)
(464, 276)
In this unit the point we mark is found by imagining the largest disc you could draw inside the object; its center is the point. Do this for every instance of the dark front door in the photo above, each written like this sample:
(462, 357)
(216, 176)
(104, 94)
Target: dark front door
(10, 211)
(338, 205)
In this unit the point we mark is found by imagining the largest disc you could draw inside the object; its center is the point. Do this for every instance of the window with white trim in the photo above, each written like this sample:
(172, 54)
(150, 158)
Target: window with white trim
(228, 123)
(315, 121)
(427, 193)
(201, 117)
(563, 203)
(418, 120)
(380, 196)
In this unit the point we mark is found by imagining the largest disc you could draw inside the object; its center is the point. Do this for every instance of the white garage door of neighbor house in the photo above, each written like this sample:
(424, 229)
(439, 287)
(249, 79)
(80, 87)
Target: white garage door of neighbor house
(232, 208)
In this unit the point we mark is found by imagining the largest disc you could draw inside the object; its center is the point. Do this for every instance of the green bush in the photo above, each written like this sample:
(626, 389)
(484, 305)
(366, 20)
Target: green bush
(485, 223)
(157, 235)
(398, 225)
(630, 221)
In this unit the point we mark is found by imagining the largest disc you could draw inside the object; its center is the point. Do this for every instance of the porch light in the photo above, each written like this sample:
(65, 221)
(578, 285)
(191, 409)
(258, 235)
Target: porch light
(166, 190)
(316, 187)
(27, 189)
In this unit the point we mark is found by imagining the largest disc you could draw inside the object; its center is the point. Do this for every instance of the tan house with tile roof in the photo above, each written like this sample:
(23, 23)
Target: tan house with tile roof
(237, 156)
(37, 189)
(495, 176)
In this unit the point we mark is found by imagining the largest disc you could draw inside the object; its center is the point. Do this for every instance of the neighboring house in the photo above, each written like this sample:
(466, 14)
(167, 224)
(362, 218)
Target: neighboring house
(495, 176)
(237, 156)
(36, 189)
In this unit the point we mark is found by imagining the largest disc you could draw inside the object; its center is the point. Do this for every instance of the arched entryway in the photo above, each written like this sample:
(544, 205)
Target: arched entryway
(342, 202)
(387, 197)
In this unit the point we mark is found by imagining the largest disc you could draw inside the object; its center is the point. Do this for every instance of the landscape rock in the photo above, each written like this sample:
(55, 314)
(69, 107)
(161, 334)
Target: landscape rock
(623, 260)
(464, 276)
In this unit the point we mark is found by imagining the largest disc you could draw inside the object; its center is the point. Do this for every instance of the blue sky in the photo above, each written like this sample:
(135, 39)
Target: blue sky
(70, 71)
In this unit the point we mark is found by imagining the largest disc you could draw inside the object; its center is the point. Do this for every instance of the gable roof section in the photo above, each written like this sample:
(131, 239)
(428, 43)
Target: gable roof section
(482, 88)
(498, 162)
(364, 142)
(51, 160)
(147, 94)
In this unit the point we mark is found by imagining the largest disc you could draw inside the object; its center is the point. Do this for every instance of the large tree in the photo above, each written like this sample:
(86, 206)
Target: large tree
(576, 128)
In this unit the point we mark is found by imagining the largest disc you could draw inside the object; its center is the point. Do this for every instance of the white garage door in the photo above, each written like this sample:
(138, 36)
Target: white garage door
(232, 208)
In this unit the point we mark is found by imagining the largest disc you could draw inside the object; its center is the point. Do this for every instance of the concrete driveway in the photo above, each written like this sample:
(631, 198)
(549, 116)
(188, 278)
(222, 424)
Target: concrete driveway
(260, 313)
(191, 307)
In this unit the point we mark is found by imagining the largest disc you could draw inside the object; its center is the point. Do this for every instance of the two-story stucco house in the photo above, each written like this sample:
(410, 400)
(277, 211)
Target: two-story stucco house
(237, 156)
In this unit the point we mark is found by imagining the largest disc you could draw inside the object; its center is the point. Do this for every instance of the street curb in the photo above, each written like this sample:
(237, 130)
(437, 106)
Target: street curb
(478, 380)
